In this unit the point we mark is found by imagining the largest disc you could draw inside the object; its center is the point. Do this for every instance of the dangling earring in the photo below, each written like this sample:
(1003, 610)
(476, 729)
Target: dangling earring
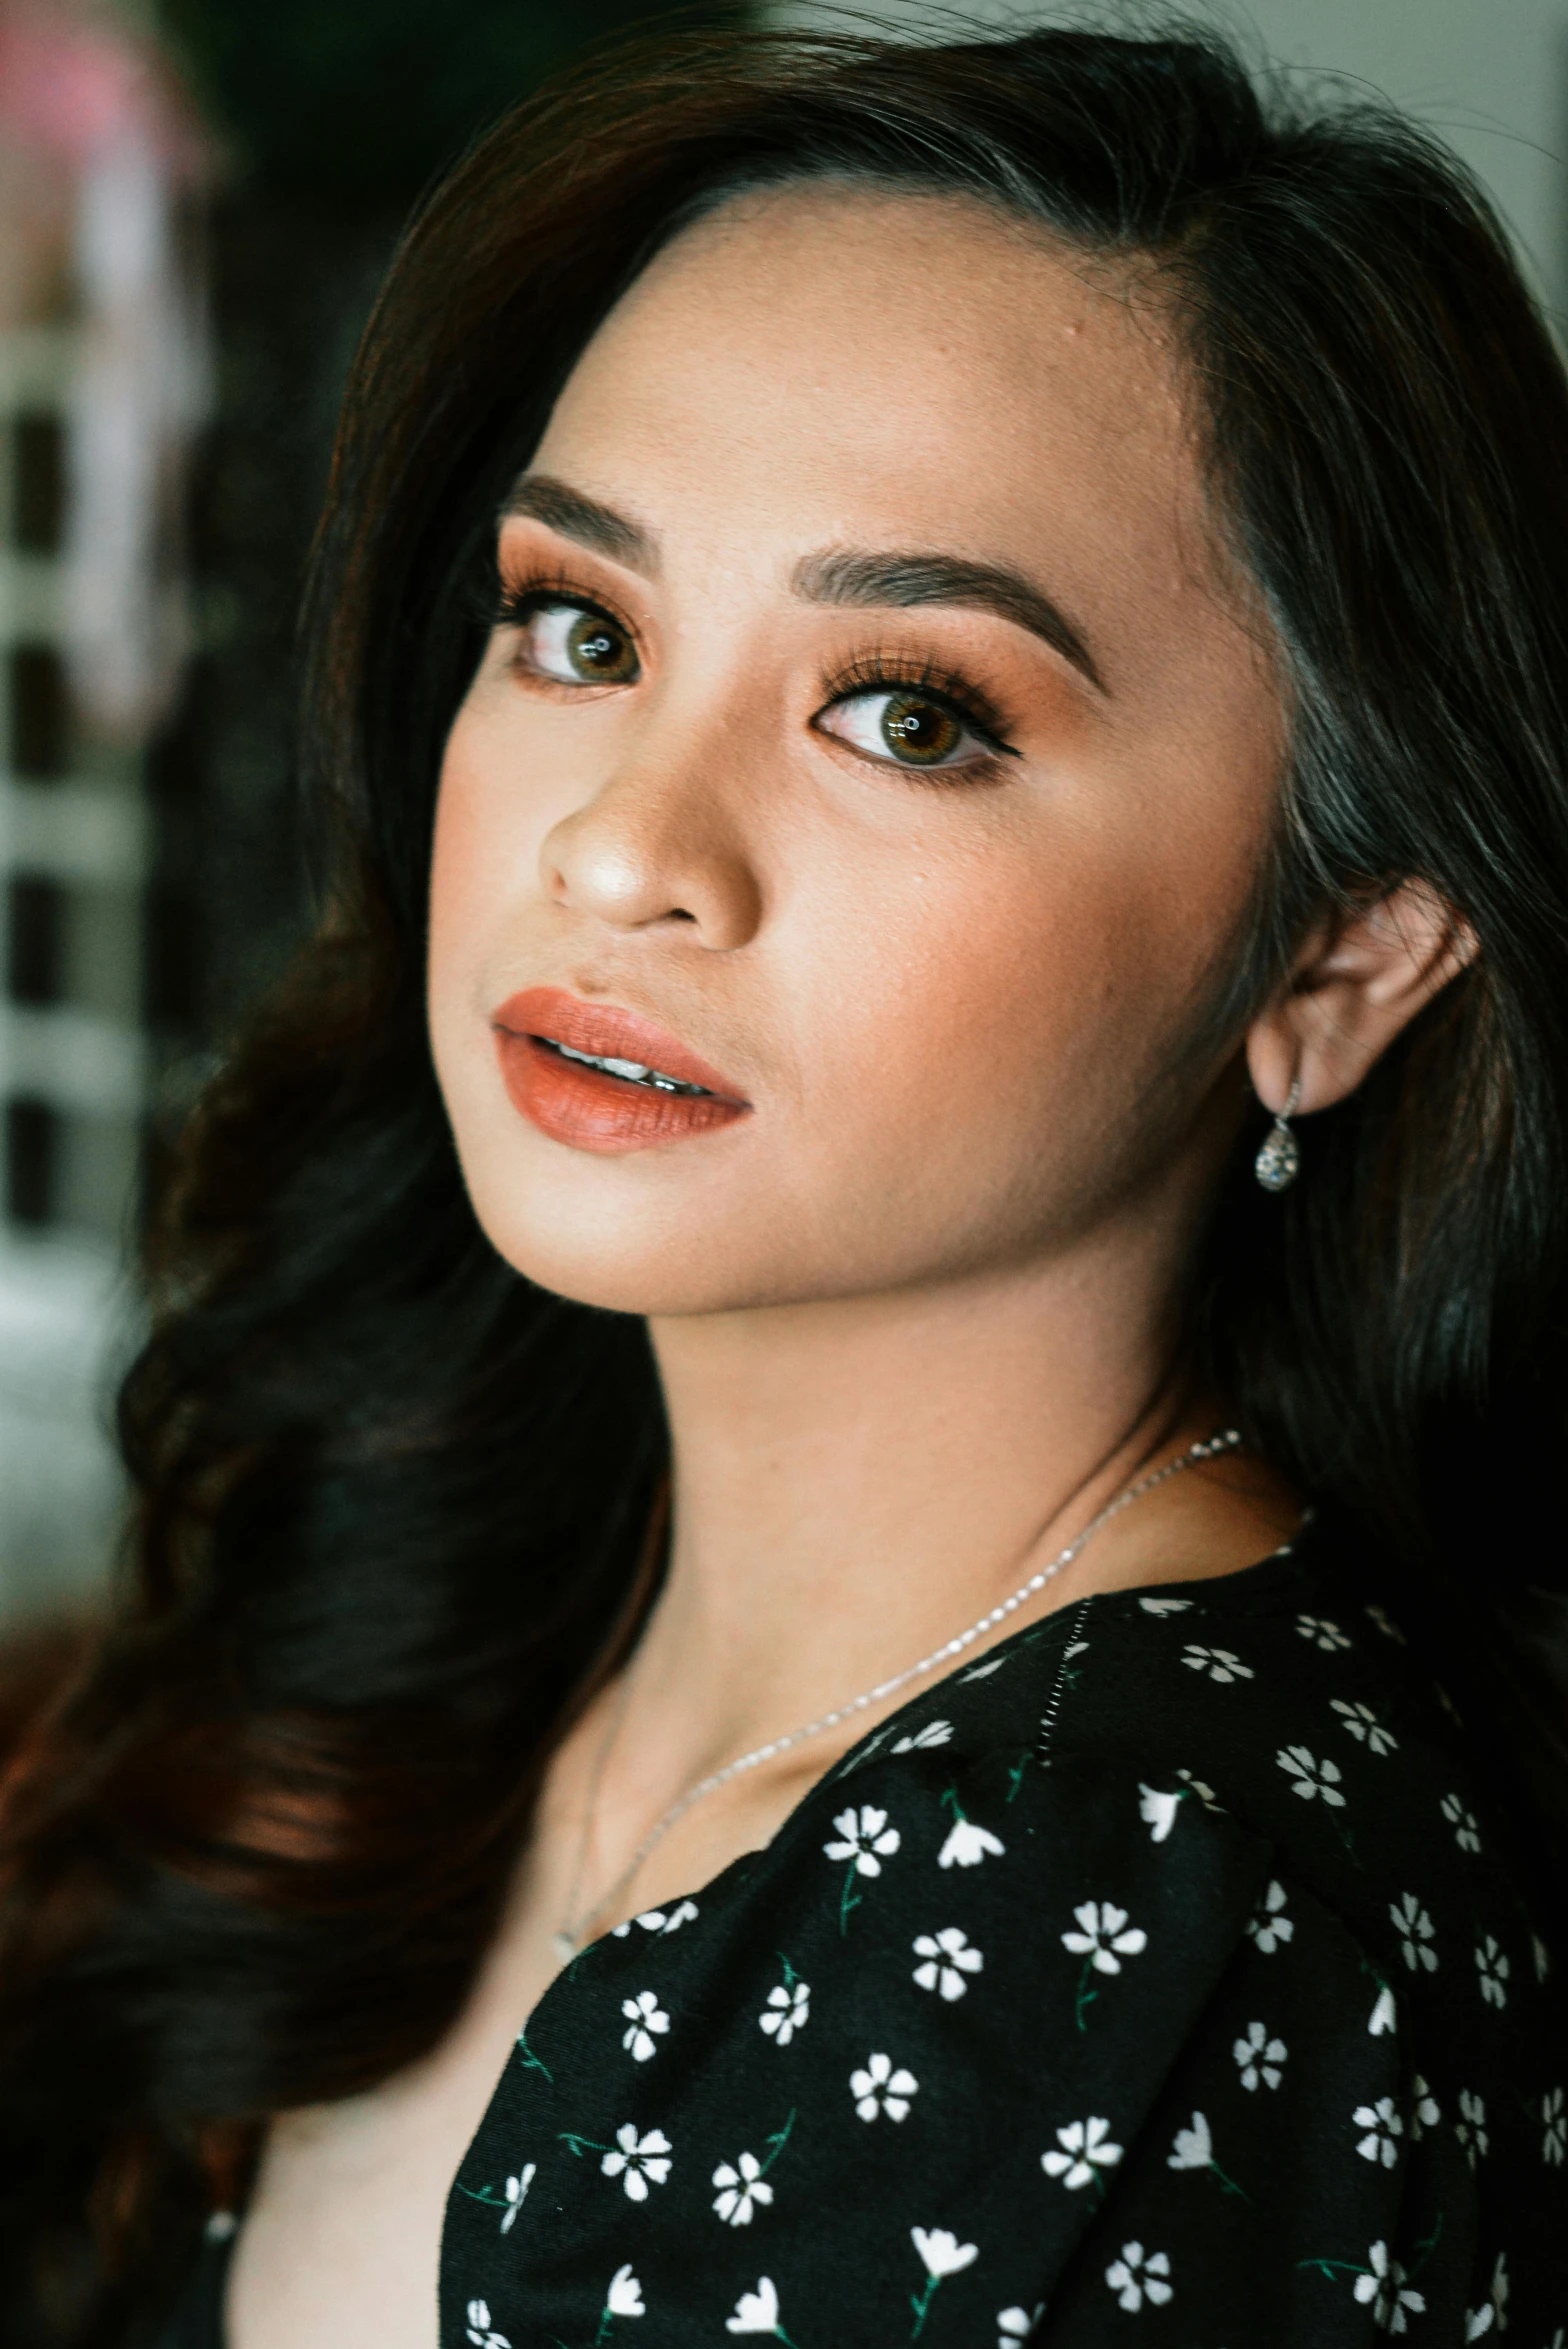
(1279, 1161)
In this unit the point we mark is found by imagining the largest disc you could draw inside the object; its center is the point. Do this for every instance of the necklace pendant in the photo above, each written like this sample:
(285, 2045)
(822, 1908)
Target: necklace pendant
(564, 1947)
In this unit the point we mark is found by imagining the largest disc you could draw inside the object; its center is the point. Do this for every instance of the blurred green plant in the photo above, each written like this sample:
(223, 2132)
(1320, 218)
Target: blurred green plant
(358, 102)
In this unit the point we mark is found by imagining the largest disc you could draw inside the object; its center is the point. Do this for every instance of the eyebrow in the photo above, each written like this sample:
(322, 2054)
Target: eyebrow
(838, 575)
(538, 497)
(844, 576)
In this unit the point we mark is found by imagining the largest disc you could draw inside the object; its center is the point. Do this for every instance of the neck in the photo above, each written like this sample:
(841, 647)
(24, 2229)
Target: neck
(856, 1480)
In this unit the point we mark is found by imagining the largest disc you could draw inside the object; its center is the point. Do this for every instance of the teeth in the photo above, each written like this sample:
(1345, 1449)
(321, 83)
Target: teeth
(633, 1072)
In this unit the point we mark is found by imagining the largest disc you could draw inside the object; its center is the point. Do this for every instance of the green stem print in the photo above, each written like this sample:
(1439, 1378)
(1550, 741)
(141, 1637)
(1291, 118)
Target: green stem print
(1084, 1997)
(777, 2142)
(580, 2145)
(530, 2061)
(920, 2302)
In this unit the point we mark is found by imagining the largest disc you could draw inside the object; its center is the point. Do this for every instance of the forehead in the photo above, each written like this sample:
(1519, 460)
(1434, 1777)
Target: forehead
(826, 362)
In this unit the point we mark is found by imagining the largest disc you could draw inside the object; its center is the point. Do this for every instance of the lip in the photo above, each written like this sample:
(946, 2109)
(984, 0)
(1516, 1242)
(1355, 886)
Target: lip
(587, 1108)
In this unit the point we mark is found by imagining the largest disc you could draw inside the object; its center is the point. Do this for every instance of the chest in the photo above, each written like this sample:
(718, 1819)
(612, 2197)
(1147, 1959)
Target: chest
(343, 2232)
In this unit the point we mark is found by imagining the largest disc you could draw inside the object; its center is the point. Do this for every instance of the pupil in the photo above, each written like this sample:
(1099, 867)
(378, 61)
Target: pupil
(596, 646)
(920, 730)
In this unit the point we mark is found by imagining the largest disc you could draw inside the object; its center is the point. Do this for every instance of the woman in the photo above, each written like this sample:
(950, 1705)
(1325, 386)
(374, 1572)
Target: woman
(828, 1645)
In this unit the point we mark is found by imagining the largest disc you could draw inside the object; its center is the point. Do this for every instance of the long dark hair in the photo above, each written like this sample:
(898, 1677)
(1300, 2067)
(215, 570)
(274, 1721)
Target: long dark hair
(391, 1496)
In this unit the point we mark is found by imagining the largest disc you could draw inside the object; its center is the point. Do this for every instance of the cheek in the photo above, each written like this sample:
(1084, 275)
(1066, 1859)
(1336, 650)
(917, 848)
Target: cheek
(998, 1022)
(481, 846)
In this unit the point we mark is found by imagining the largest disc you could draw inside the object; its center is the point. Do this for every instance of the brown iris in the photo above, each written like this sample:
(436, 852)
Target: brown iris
(597, 648)
(920, 731)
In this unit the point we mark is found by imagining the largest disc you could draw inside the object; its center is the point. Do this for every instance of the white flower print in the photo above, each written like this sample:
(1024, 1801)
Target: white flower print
(1496, 2307)
(1135, 2278)
(479, 2327)
(1470, 2128)
(788, 2010)
(1194, 2147)
(949, 1956)
(1383, 2126)
(1259, 2057)
(1321, 1632)
(1425, 2112)
(1016, 2324)
(1218, 1663)
(1364, 1725)
(1415, 1929)
(934, 1733)
(1492, 1966)
(1311, 1777)
(880, 2088)
(645, 2022)
(1085, 2149)
(659, 1920)
(1165, 1606)
(1386, 2288)
(634, 2160)
(1384, 2015)
(868, 1840)
(1467, 1832)
(1386, 1624)
(1106, 1933)
(624, 2297)
(517, 2194)
(1554, 2145)
(1268, 1925)
(1157, 1809)
(942, 2253)
(756, 2312)
(742, 2186)
(984, 1671)
(1205, 1794)
(1538, 1951)
(967, 1845)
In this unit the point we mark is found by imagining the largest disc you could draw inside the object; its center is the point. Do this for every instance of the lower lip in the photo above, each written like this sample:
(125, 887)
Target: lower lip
(589, 1110)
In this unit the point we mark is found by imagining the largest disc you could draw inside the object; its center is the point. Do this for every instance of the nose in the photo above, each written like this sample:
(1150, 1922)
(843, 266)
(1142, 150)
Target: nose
(658, 846)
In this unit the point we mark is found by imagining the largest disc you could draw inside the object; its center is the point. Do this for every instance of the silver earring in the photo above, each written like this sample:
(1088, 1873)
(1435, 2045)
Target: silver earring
(1279, 1161)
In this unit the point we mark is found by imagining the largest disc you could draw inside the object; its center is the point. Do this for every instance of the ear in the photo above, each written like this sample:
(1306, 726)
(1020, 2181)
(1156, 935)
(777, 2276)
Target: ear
(1357, 982)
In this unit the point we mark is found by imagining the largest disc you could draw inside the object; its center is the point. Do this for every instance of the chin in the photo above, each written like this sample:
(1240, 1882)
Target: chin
(624, 1255)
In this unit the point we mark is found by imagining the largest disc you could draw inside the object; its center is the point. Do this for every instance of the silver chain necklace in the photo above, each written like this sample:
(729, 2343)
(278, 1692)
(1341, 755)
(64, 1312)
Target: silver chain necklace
(573, 1933)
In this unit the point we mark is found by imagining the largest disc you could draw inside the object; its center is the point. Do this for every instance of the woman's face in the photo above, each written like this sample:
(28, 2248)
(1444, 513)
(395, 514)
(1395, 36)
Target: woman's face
(875, 748)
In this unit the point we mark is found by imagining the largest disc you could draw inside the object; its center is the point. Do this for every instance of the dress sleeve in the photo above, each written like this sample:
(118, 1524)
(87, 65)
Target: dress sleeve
(1287, 2181)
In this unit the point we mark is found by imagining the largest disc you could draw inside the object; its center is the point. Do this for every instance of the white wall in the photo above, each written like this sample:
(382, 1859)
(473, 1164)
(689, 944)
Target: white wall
(1490, 75)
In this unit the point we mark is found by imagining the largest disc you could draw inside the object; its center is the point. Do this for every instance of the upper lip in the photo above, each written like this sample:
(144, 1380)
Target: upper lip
(610, 1032)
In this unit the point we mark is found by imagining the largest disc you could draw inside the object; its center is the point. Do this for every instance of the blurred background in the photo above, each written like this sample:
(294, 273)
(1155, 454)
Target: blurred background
(197, 198)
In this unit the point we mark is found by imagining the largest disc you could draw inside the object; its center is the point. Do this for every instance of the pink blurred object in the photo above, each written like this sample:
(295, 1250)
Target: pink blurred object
(73, 81)
(97, 150)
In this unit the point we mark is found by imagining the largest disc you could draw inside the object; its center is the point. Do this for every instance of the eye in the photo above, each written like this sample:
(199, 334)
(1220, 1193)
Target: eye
(908, 726)
(574, 644)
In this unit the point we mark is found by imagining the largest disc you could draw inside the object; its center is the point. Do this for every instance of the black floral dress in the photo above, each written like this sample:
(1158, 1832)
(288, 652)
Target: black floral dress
(1158, 1975)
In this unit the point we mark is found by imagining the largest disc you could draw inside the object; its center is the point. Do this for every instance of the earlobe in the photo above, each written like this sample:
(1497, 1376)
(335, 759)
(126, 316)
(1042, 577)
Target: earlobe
(1358, 981)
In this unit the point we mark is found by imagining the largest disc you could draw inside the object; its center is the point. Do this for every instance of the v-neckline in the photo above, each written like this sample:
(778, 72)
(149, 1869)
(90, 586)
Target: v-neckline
(1255, 1576)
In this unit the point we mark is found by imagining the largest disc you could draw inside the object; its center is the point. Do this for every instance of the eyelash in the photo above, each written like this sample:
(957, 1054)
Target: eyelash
(519, 599)
(876, 671)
